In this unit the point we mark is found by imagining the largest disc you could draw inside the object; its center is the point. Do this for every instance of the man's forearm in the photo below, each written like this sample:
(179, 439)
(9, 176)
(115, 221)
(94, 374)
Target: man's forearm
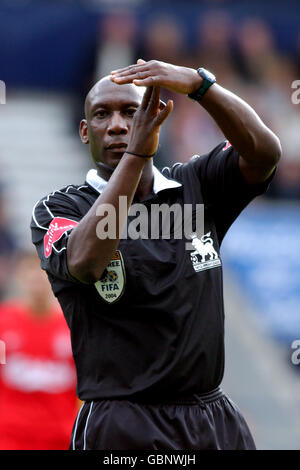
(259, 148)
(240, 124)
(88, 254)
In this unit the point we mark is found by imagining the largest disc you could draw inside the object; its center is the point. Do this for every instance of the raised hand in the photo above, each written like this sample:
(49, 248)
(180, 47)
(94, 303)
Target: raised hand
(147, 121)
(156, 73)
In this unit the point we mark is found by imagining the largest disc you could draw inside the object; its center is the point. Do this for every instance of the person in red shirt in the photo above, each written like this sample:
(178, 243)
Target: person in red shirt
(38, 403)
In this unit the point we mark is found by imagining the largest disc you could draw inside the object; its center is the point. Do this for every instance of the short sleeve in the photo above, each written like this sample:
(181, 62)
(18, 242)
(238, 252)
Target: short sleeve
(223, 186)
(53, 219)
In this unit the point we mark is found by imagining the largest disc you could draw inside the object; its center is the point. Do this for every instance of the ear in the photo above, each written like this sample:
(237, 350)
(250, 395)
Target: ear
(83, 131)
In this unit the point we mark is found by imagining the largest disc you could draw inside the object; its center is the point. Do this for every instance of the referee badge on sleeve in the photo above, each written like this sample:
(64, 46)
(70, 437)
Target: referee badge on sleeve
(112, 283)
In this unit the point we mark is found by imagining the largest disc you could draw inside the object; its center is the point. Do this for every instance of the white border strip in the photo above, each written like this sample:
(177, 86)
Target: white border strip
(75, 429)
(86, 425)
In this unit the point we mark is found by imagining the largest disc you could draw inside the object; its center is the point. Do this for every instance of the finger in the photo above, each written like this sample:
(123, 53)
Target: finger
(128, 78)
(154, 102)
(146, 97)
(122, 80)
(128, 68)
(149, 81)
(164, 114)
(134, 71)
(140, 61)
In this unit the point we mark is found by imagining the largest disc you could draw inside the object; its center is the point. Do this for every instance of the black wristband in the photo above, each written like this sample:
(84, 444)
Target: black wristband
(139, 155)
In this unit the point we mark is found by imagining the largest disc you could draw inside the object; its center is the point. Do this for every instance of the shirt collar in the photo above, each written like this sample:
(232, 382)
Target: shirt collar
(159, 184)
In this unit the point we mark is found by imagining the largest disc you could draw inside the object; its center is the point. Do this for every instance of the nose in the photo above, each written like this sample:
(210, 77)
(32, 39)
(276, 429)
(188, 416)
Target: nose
(117, 125)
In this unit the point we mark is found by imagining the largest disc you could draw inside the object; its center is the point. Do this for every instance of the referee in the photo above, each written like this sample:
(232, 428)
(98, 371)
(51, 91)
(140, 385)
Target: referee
(146, 314)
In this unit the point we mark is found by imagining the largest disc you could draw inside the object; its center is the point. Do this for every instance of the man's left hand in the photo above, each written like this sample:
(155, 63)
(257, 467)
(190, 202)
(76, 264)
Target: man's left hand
(179, 79)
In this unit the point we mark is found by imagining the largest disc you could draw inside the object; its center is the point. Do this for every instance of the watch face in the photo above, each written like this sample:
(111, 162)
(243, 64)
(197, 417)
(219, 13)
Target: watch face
(207, 74)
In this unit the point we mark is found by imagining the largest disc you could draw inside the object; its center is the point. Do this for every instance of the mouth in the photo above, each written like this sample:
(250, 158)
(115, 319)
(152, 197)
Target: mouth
(117, 147)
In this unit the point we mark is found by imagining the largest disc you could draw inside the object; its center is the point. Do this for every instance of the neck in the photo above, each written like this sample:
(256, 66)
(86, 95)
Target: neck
(104, 171)
(145, 184)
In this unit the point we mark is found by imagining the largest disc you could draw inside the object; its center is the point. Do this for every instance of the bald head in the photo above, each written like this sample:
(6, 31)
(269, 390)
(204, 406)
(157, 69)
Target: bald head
(105, 86)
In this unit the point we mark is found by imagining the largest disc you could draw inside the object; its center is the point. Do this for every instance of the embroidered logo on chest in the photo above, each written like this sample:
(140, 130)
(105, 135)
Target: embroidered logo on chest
(205, 255)
(112, 283)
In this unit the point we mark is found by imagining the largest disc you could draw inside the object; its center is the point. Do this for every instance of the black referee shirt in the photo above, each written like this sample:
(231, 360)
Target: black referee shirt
(153, 325)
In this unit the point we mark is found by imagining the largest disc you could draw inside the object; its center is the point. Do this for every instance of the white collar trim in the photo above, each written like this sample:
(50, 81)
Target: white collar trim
(159, 184)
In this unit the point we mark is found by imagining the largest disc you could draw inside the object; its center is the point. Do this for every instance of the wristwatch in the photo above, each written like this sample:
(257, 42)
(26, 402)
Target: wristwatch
(208, 80)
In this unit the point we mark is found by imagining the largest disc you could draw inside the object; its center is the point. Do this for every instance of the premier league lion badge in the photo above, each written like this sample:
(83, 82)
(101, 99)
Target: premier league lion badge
(205, 255)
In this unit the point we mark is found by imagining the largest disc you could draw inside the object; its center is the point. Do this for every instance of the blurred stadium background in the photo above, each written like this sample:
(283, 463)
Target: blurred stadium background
(51, 52)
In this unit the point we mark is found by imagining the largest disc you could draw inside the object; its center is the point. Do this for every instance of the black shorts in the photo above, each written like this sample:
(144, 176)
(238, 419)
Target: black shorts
(210, 421)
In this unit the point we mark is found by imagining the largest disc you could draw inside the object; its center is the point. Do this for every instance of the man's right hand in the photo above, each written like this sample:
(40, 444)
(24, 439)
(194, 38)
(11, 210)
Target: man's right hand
(147, 121)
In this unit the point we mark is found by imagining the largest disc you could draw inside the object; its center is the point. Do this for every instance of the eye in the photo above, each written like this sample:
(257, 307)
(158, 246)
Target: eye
(130, 112)
(101, 113)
